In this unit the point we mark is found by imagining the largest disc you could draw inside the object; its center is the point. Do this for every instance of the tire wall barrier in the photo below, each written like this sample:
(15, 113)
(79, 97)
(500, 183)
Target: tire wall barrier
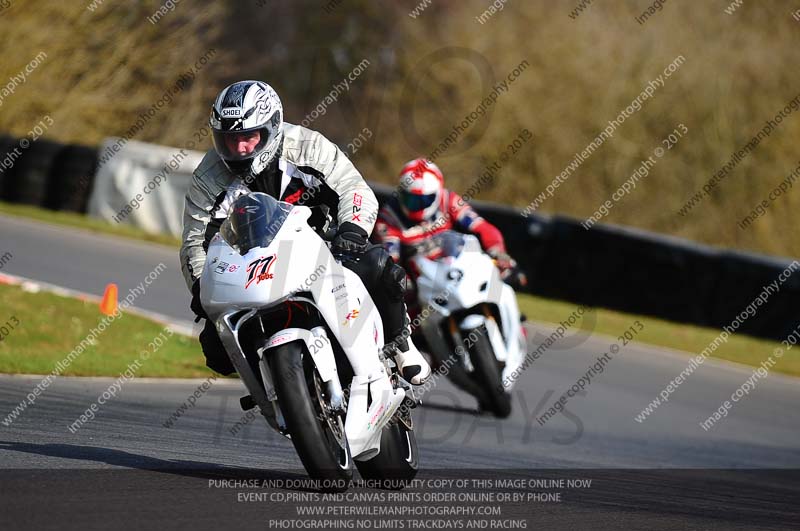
(76, 166)
(608, 266)
(46, 174)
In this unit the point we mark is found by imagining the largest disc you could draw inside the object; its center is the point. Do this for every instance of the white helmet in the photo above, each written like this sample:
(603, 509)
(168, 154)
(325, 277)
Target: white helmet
(247, 107)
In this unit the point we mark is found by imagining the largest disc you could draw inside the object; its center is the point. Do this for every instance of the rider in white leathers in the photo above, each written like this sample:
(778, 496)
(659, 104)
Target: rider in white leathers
(255, 150)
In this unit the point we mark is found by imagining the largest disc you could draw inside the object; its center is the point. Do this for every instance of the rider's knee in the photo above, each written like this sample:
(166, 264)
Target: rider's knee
(390, 277)
(394, 280)
(379, 273)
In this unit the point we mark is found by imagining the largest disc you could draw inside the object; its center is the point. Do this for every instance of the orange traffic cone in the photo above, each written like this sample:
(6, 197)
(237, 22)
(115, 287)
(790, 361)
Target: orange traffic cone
(108, 306)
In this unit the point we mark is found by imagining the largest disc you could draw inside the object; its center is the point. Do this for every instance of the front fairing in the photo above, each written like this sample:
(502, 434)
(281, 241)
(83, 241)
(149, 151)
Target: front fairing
(263, 276)
(296, 261)
(464, 280)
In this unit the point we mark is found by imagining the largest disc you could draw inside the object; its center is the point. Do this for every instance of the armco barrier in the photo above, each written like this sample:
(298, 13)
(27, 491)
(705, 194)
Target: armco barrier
(628, 270)
(741, 277)
(636, 271)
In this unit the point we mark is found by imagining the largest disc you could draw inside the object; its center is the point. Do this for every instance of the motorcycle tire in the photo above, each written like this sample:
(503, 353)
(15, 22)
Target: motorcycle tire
(398, 461)
(487, 374)
(321, 453)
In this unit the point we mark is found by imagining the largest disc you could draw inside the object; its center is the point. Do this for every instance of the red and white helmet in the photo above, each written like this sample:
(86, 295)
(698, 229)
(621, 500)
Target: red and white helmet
(421, 184)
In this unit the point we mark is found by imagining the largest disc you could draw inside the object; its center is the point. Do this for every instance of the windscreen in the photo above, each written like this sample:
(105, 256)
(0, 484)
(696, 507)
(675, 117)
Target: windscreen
(254, 221)
(446, 244)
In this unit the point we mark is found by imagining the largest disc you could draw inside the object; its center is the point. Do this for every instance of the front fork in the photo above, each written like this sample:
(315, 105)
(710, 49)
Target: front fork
(462, 354)
(470, 322)
(318, 345)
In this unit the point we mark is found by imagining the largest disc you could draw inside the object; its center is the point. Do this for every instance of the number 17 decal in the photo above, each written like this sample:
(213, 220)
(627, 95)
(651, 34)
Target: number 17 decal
(259, 270)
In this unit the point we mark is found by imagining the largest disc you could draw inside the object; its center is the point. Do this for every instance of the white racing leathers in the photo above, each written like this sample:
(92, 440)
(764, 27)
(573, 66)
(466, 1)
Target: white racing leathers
(312, 171)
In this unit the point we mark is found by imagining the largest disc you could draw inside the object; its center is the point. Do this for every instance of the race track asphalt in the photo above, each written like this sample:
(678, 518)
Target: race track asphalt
(126, 469)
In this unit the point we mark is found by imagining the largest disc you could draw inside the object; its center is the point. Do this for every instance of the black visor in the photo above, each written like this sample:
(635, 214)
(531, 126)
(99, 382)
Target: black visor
(416, 202)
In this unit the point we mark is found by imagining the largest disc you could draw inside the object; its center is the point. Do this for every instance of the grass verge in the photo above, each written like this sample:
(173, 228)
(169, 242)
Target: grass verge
(80, 221)
(688, 338)
(43, 328)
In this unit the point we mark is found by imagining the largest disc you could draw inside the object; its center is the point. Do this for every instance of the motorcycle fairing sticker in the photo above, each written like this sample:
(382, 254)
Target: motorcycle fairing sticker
(350, 317)
(259, 269)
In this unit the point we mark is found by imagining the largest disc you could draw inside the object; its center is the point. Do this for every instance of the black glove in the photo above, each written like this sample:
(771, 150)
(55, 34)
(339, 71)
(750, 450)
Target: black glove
(515, 278)
(196, 307)
(510, 272)
(350, 240)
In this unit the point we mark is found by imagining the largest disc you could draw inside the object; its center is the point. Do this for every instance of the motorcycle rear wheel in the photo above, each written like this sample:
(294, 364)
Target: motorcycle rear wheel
(398, 461)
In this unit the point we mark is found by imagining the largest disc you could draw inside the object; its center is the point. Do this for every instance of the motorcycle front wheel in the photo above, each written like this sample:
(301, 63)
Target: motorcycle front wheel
(316, 432)
(487, 375)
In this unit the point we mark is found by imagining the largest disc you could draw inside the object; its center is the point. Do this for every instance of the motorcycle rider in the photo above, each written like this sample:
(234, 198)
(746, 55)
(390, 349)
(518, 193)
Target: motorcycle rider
(256, 151)
(423, 207)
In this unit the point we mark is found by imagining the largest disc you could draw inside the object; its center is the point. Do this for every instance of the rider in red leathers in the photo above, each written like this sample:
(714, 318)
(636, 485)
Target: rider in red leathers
(424, 207)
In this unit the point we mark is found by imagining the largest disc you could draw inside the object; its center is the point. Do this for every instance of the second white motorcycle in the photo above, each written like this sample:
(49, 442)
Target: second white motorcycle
(474, 325)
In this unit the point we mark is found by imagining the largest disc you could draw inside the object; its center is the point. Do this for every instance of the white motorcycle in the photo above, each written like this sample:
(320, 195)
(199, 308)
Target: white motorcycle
(305, 338)
(474, 324)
